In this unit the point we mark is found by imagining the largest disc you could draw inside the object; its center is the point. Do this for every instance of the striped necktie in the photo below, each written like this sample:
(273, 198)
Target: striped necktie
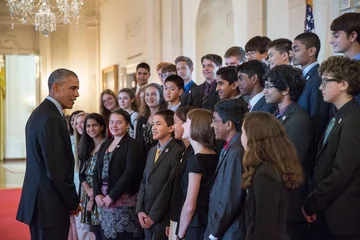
(329, 128)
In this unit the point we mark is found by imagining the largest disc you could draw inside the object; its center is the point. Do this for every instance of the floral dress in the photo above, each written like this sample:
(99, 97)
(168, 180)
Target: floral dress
(91, 218)
(120, 216)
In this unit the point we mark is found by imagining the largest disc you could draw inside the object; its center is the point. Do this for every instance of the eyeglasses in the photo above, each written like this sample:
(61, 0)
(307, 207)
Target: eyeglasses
(251, 53)
(268, 86)
(214, 120)
(325, 81)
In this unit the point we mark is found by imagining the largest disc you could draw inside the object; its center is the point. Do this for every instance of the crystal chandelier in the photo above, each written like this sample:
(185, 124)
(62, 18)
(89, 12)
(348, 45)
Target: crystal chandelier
(43, 14)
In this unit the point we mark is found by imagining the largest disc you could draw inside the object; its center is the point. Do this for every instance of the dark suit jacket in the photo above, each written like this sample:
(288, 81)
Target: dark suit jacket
(312, 102)
(298, 127)
(156, 184)
(262, 106)
(267, 203)
(227, 204)
(48, 193)
(336, 179)
(197, 95)
(184, 99)
(124, 170)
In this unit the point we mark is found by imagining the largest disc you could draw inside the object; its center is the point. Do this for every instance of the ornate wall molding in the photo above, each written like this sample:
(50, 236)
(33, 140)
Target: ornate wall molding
(7, 39)
(349, 6)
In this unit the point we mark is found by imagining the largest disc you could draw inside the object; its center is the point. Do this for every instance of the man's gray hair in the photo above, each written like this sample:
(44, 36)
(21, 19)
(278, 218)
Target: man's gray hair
(59, 75)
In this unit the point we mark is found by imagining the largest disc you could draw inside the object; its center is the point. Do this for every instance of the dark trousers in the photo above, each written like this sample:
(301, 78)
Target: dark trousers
(39, 233)
(155, 234)
(297, 230)
(319, 230)
(193, 233)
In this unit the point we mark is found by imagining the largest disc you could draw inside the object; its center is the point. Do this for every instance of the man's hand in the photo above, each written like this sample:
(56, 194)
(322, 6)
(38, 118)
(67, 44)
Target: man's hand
(76, 212)
(149, 221)
(141, 217)
(107, 201)
(309, 219)
(99, 201)
(167, 231)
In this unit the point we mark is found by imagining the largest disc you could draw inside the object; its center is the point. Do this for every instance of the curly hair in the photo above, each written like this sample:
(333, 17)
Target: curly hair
(144, 110)
(103, 111)
(285, 77)
(267, 142)
(343, 68)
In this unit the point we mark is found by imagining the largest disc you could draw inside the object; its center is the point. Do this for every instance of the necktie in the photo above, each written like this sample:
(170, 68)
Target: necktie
(205, 93)
(64, 119)
(329, 128)
(157, 154)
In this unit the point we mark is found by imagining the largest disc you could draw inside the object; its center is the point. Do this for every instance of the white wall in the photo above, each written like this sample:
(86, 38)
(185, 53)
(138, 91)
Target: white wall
(20, 101)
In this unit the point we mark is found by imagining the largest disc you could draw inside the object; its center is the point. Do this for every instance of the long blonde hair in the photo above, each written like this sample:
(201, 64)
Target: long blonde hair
(77, 137)
(267, 142)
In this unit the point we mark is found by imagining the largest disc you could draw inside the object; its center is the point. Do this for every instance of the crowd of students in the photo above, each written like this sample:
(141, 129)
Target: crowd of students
(261, 149)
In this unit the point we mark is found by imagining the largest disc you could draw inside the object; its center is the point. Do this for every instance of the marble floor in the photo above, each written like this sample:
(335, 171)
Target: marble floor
(12, 174)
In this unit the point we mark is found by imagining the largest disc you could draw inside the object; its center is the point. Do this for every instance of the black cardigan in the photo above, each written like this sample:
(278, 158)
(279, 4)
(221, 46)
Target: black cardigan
(124, 171)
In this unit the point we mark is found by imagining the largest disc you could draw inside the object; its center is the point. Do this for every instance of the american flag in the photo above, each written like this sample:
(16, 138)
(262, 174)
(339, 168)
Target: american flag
(309, 25)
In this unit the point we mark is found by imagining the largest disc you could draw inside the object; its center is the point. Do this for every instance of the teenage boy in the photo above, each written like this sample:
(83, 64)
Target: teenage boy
(167, 70)
(256, 49)
(227, 221)
(159, 68)
(279, 52)
(156, 185)
(185, 68)
(283, 86)
(226, 81)
(345, 37)
(305, 50)
(205, 95)
(142, 75)
(173, 89)
(234, 56)
(333, 205)
(250, 81)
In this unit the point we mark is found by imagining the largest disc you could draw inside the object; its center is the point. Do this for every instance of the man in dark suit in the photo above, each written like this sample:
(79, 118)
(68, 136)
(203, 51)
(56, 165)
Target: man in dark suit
(185, 68)
(250, 76)
(156, 185)
(283, 86)
(49, 196)
(333, 205)
(228, 221)
(205, 95)
(142, 76)
(305, 50)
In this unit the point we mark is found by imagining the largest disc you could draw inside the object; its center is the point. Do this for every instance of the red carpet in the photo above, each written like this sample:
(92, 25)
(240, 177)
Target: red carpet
(10, 229)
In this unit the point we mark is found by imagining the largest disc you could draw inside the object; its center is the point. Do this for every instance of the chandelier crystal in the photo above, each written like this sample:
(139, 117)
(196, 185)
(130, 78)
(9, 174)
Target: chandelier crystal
(43, 14)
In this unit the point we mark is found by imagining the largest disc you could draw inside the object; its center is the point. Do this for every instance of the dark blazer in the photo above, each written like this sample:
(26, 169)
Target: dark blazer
(48, 193)
(298, 127)
(267, 203)
(262, 106)
(156, 184)
(196, 98)
(184, 99)
(124, 170)
(227, 204)
(336, 179)
(312, 102)
(177, 194)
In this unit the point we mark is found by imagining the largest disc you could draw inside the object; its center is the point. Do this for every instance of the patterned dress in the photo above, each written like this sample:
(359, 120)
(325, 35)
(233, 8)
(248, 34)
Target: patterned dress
(91, 218)
(120, 216)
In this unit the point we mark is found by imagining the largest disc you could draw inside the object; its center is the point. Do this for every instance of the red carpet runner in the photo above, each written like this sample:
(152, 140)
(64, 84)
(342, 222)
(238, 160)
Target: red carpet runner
(10, 229)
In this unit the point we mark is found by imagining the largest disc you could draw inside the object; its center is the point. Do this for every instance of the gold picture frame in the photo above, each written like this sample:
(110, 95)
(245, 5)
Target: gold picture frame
(110, 76)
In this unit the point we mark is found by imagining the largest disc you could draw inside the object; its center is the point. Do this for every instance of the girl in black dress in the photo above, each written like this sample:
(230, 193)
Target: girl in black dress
(200, 170)
(177, 194)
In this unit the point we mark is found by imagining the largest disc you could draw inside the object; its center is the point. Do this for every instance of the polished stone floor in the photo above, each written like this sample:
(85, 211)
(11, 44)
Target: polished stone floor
(12, 174)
